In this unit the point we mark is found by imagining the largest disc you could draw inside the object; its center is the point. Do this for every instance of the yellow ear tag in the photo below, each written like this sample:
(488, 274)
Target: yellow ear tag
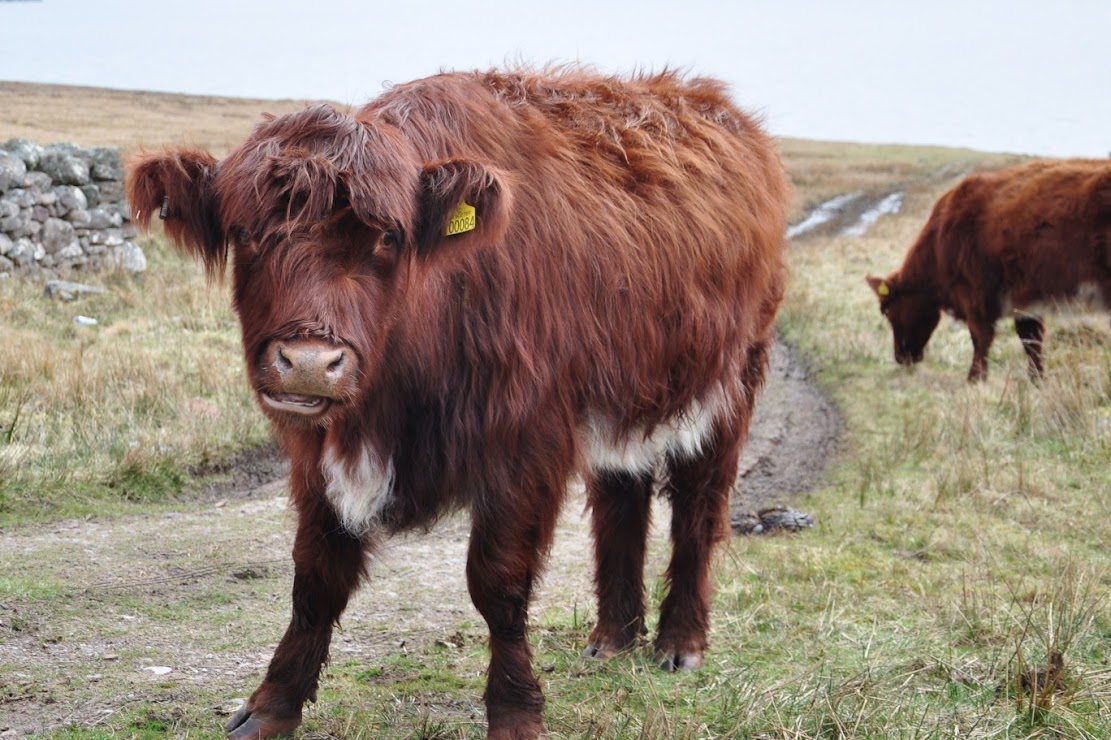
(462, 220)
(883, 289)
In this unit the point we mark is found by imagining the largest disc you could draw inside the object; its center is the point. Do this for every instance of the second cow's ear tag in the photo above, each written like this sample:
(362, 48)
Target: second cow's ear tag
(883, 289)
(462, 220)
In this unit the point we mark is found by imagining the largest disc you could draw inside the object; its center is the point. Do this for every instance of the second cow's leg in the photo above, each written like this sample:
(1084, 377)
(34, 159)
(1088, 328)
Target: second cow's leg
(983, 334)
(1031, 330)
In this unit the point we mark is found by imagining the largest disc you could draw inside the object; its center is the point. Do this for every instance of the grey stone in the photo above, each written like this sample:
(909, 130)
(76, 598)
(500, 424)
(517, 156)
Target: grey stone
(31, 228)
(105, 217)
(22, 252)
(79, 217)
(129, 230)
(92, 194)
(46, 198)
(105, 163)
(40, 213)
(8, 208)
(71, 252)
(70, 197)
(57, 234)
(6, 265)
(63, 168)
(96, 249)
(111, 191)
(128, 257)
(64, 147)
(67, 291)
(47, 260)
(12, 172)
(112, 237)
(22, 198)
(12, 224)
(28, 151)
(37, 181)
(5, 243)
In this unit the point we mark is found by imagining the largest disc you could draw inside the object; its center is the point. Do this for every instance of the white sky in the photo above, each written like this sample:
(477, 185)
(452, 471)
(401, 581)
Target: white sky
(999, 75)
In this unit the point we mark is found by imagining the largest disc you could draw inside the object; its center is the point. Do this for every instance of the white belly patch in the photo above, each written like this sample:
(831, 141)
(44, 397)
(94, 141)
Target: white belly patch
(683, 435)
(1087, 299)
(357, 489)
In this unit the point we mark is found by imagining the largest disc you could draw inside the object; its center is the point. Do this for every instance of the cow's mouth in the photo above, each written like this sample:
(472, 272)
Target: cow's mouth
(296, 403)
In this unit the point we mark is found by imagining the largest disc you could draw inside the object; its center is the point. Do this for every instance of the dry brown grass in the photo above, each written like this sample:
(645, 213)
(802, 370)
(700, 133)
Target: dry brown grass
(91, 116)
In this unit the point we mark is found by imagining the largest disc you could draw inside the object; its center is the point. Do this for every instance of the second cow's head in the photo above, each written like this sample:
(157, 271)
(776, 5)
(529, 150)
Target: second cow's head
(326, 220)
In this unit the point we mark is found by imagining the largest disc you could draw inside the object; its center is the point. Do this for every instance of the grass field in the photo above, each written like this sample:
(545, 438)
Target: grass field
(956, 586)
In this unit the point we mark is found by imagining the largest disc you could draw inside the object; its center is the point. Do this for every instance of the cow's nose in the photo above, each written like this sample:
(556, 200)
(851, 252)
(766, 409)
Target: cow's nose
(309, 366)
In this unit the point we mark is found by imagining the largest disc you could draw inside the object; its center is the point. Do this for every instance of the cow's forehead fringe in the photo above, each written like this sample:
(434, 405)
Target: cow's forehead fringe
(297, 169)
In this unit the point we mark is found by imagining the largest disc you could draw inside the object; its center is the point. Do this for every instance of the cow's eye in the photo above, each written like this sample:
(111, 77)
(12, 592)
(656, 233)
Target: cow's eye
(390, 239)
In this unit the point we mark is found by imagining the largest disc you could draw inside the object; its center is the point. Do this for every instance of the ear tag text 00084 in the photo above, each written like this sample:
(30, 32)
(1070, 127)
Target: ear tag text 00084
(462, 220)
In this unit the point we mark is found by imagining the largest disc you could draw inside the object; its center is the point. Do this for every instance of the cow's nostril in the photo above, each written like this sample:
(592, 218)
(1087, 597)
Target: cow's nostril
(336, 364)
(281, 362)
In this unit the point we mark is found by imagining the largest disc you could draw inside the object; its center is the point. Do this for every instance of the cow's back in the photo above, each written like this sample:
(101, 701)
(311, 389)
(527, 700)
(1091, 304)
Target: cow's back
(1041, 231)
(644, 256)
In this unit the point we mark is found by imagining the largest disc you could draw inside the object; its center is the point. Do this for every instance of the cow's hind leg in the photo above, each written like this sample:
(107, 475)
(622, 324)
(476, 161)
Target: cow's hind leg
(698, 488)
(1031, 330)
(507, 548)
(328, 565)
(620, 504)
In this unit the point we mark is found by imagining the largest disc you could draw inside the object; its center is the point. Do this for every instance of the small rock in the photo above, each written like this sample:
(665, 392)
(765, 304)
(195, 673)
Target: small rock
(158, 670)
(84, 320)
(128, 257)
(70, 197)
(64, 168)
(105, 164)
(67, 291)
(57, 234)
(37, 181)
(12, 172)
(80, 218)
(774, 519)
(28, 151)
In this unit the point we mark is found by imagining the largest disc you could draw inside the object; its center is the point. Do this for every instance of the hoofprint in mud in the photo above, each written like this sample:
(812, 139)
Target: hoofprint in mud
(82, 659)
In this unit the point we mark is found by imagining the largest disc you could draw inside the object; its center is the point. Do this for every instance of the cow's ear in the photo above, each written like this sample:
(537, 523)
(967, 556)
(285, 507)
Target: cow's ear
(881, 286)
(464, 205)
(176, 185)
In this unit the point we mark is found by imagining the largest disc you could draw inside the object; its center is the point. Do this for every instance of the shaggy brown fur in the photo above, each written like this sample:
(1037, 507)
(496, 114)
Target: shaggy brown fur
(620, 287)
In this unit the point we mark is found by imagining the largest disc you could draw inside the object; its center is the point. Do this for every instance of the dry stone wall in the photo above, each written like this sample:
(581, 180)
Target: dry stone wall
(63, 211)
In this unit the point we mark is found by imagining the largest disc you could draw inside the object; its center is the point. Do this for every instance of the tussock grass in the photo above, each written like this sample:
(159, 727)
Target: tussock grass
(120, 410)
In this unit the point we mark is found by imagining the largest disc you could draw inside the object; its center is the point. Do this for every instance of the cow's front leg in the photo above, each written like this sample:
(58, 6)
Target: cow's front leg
(983, 334)
(328, 562)
(506, 553)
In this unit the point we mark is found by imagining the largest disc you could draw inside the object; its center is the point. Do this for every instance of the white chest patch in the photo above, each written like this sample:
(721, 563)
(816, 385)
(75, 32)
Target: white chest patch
(637, 452)
(357, 489)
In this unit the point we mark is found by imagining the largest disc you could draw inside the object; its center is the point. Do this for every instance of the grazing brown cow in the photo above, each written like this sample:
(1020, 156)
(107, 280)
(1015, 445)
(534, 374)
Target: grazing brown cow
(472, 290)
(1024, 240)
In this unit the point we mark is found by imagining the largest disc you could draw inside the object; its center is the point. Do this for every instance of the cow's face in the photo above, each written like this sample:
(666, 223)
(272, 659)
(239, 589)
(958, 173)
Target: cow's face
(328, 221)
(913, 315)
